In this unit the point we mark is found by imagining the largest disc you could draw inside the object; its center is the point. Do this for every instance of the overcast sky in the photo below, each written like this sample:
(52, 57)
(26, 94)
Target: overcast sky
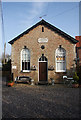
(19, 16)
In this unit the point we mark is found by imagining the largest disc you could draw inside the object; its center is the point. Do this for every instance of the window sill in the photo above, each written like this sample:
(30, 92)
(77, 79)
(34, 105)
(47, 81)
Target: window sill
(61, 71)
(25, 71)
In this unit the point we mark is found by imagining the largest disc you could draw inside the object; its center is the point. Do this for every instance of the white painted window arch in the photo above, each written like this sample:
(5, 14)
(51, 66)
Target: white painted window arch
(60, 58)
(25, 60)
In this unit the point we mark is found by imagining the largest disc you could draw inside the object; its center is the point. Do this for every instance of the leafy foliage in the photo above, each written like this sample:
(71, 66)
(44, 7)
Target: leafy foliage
(10, 81)
(76, 78)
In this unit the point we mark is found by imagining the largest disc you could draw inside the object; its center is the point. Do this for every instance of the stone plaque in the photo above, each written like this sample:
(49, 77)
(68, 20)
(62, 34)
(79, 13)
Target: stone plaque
(42, 40)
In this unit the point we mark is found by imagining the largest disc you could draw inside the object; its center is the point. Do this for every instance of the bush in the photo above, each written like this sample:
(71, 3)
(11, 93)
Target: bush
(79, 73)
(10, 81)
(76, 78)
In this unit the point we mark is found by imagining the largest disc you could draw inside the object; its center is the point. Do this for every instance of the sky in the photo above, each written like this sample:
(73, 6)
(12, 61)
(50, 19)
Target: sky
(19, 16)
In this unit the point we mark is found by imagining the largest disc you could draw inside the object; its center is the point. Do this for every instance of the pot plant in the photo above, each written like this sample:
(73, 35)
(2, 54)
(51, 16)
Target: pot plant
(76, 80)
(10, 82)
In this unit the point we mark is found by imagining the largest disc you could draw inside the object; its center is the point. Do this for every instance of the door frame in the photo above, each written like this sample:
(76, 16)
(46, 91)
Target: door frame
(38, 69)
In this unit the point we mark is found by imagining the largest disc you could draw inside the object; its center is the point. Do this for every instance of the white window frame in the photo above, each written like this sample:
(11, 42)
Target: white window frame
(59, 62)
(21, 61)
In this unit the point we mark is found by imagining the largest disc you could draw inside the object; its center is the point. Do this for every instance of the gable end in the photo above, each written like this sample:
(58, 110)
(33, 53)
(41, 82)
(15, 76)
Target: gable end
(53, 28)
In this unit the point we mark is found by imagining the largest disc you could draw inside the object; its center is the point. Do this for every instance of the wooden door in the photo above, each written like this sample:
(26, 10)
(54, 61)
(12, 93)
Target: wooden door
(42, 71)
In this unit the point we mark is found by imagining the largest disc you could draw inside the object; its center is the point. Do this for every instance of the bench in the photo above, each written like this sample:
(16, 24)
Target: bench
(23, 79)
(68, 80)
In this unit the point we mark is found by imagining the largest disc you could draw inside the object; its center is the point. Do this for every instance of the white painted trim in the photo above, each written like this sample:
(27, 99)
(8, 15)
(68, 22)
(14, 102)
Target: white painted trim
(60, 70)
(26, 70)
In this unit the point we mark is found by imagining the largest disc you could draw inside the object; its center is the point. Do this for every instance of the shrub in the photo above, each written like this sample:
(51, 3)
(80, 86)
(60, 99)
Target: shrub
(10, 81)
(79, 73)
(76, 78)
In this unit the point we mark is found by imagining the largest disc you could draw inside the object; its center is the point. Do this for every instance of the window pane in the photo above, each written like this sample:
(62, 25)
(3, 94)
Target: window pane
(25, 65)
(26, 55)
(28, 65)
(22, 65)
(64, 67)
(61, 66)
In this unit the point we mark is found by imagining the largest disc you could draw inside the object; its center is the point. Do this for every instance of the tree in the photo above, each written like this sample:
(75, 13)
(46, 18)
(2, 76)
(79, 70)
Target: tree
(7, 58)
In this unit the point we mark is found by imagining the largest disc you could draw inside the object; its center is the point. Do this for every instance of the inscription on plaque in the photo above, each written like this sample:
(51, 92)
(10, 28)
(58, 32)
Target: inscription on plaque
(42, 40)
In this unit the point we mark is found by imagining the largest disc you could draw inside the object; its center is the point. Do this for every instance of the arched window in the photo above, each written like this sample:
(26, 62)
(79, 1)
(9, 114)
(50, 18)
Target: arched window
(25, 60)
(60, 57)
(42, 29)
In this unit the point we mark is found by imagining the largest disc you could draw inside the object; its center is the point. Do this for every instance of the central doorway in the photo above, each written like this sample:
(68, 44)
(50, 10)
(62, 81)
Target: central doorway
(43, 69)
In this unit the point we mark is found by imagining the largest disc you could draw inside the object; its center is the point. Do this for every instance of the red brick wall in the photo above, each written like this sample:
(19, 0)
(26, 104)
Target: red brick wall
(79, 39)
(79, 48)
(79, 52)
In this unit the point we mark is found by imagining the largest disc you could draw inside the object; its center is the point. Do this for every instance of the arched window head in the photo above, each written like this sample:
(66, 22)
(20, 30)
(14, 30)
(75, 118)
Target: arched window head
(60, 57)
(25, 59)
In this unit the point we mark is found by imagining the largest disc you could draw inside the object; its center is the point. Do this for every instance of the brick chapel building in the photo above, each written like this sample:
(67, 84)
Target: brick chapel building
(43, 52)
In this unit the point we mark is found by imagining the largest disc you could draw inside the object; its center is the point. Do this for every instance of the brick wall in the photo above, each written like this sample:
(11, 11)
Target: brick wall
(79, 53)
(78, 45)
(30, 40)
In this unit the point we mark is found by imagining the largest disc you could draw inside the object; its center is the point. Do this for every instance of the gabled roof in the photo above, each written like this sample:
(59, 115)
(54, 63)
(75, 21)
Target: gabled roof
(48, 25)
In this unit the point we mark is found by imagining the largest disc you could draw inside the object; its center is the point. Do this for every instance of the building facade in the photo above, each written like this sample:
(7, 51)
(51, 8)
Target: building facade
(43, 52)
